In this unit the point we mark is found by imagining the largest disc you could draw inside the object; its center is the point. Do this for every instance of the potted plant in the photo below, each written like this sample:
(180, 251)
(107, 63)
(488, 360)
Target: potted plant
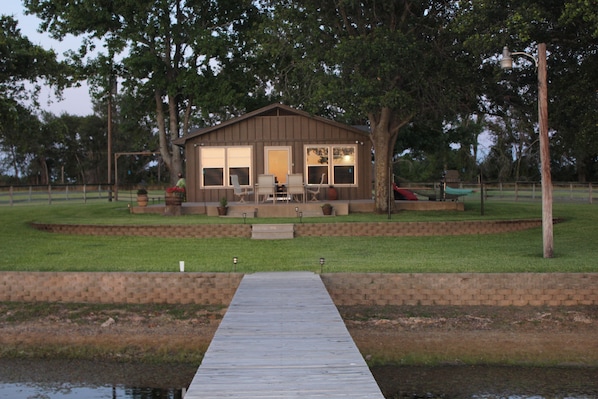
(142, 198)
(223, 207)
(327, 209)
(174, 195)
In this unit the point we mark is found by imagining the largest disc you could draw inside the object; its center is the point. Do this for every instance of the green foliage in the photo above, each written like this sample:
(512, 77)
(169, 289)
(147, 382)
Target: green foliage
(175, 58)
(390, 63)
(23, 67)
(417, 72)
(569, 30)
(22, 61)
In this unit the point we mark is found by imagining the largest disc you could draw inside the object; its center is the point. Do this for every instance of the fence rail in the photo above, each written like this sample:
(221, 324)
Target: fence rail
(72, 193)
(532, 191)
(515, 191)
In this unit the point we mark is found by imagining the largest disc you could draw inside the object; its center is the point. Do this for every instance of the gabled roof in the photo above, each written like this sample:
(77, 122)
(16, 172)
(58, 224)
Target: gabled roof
(275, 109)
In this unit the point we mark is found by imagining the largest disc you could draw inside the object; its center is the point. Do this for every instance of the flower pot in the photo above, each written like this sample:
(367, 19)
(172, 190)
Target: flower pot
(327, 210)
(222, 210)
(173, 199)
(142, 200)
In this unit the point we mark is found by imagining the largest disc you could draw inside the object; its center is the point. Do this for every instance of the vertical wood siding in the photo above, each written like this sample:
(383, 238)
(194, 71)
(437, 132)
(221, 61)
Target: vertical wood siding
(287, 130)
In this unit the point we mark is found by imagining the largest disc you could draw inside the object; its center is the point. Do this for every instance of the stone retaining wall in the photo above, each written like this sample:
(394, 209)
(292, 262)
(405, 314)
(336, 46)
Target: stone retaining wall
(96, 287)
(468, 289)
(366, 229)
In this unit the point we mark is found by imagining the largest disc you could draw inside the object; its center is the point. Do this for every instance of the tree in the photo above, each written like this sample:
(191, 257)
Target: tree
(570, 30)
(177, 57)
(390, 62)
(19, 132)
(22, 62)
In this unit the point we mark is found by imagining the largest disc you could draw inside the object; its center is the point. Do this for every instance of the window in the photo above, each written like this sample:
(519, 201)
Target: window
(344, 165)
(340, 170)
(316, 163)
(218, 163)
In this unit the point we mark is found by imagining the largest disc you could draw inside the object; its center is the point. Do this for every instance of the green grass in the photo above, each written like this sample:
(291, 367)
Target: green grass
(25, 249)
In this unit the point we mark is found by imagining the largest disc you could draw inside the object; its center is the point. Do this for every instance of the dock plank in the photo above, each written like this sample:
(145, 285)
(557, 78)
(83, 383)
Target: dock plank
(282, 337)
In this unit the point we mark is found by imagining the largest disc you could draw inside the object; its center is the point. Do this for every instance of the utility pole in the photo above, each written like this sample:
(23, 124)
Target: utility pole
(507, 63)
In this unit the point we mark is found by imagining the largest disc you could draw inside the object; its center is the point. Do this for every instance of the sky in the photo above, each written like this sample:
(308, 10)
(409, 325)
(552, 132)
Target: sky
(77, 101)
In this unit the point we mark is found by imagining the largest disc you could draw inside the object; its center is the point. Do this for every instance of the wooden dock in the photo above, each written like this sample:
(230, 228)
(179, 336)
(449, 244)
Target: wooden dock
(282, 337)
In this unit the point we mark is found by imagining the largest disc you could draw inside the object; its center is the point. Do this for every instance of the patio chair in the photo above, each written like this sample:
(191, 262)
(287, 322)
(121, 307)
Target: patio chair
(266, 186)
(239, 191)
(314, 192)
(295, 187)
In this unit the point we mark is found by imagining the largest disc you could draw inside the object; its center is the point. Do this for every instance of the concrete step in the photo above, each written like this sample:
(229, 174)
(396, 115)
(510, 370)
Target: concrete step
(272, 231)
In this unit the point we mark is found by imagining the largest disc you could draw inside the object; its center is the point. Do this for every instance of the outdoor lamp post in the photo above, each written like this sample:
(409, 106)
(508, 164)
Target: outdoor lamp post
(507, 63)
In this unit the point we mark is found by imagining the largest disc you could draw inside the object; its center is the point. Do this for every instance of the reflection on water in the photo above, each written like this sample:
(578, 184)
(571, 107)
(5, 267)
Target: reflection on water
(487, 382)
(54, 379)
(36, 391)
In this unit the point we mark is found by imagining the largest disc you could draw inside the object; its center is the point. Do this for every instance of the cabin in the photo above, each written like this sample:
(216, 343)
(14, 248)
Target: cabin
(277, 140)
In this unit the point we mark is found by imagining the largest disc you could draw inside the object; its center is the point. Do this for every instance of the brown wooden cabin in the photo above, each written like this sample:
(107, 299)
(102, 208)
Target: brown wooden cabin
(277, 140)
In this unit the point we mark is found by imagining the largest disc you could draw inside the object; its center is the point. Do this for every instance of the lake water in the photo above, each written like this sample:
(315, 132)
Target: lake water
(53, 379)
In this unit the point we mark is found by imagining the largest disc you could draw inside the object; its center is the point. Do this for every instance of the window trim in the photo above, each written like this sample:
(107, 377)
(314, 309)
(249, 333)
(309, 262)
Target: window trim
(225, 166)
(330, 165)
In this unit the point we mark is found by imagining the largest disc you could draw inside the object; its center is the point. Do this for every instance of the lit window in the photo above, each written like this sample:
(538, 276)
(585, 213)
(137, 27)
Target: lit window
(344, 165)
(341, 171)
(219, 163)
(316, 163)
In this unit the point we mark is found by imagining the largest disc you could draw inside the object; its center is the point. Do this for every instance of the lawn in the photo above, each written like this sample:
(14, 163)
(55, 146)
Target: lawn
(25, 249)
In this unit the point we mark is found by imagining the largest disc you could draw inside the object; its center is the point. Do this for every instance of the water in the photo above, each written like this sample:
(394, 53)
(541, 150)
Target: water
(54, 379)
(487, 382)
(35, 391)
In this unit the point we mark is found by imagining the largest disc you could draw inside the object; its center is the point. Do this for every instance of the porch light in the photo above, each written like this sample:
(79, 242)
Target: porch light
(507, 58)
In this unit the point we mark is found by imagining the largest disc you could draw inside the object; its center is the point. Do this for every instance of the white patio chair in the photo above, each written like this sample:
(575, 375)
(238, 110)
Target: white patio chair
(314, 192)
(239, 191)
(266, 186)
(295, 187)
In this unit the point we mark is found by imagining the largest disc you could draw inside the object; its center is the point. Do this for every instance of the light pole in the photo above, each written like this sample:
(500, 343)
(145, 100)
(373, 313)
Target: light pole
(507, 63)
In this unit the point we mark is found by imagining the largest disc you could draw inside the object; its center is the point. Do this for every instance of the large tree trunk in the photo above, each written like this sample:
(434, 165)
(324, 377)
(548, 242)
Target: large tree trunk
(176, 164)
(384, 132)
(161, 122)
(380, 141)
(170, 154)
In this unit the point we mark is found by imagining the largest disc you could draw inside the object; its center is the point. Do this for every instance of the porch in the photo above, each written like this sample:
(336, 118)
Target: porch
(297, 210)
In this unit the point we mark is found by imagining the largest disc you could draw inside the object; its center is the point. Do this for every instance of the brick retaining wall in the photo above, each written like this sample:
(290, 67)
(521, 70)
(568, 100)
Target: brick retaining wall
(369, 229)
(493, 289)
(180, 231)
(468, 289)
(96, 287)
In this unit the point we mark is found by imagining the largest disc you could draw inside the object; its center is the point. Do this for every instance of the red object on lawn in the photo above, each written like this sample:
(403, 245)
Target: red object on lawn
(403, 193)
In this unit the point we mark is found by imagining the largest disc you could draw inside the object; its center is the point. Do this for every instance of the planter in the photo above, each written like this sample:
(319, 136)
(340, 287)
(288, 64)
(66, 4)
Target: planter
(222, 210)
(332, 194)
(142, 200)
(326, 209)
(173, 199)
